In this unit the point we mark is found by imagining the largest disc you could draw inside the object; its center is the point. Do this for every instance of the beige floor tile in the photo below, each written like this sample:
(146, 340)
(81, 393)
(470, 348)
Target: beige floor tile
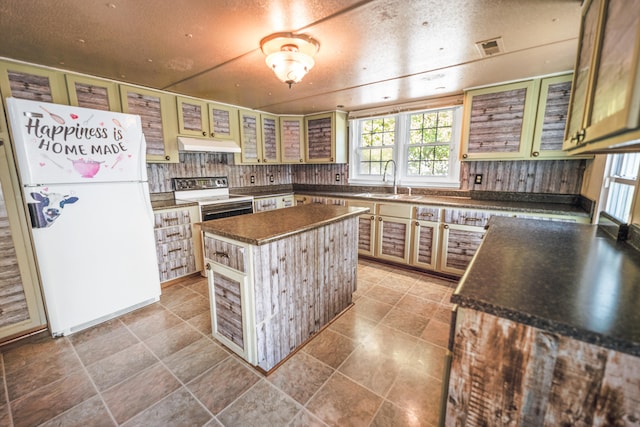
(174, 339)
(301, 387)
(102, 340)
(91, 412)
(405, 321)
(330, 347)
(437, 332)
(116, 368)
(353, 326)
(418, 392)
(343, 403)
(262, 405)
(385, 294)
(371, 308)
(180, 408)
(419, 306)
(195, 359)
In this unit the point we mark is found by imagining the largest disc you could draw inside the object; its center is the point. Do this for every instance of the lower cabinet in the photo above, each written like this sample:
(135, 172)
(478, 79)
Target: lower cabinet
(459, 245)
(272, 202)
(178, 245)
(425, 235)
(394, 231)
(303, 199)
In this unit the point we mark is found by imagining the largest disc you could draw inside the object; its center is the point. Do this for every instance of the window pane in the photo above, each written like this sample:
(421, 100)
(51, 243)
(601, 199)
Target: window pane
(444, 135)
(620, 198)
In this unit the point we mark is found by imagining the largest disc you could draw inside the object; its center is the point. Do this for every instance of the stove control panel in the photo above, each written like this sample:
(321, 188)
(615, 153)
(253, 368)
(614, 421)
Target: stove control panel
(206, 183)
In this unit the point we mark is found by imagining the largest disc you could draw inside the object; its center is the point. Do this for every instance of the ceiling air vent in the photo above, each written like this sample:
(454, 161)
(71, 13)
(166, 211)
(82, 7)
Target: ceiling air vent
(490, 47)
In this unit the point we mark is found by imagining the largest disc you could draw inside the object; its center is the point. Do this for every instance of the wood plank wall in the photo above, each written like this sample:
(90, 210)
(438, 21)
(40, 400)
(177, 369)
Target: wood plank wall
(543, 176)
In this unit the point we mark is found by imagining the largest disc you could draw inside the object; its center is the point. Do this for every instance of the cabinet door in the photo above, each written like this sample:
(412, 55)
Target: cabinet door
(291, 139)
(581, 95)
(270, 139)
(36, 84)
(250, 137)
(551, 119)
(158, 114)
(366, 234)
(425, 244)
(616, 91)
(192, 117)
(265, 204)
(227, 307)
(498, 121)
(223, 122)
(21, 304)
(459, 244)
(92, 93)
(320, 138)
(286, 202)
(393, 239)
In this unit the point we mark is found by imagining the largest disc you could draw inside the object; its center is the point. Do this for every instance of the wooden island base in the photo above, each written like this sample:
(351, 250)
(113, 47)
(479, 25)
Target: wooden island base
(270, 295)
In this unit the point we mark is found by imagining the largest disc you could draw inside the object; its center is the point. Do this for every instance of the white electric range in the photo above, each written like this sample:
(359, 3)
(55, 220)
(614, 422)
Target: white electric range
(212, 195)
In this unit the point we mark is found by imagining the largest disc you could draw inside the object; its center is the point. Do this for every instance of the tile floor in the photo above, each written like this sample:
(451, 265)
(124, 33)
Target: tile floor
(379, 364)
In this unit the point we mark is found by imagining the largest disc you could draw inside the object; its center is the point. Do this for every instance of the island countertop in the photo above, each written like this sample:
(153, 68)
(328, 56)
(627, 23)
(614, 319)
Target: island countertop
(570, 279)
(264, 227)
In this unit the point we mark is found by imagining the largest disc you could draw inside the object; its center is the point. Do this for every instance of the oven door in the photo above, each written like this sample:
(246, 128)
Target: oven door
(226, 209)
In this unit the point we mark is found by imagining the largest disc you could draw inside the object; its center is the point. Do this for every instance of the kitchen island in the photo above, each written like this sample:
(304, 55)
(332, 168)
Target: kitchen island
(546, 329)
(276, 278)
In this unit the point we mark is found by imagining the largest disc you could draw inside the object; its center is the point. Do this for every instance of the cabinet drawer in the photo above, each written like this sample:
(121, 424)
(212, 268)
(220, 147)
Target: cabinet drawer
(398, 210)
(170, 234)
(174, 250)
(171, 218)
(177, 267)
(425, 213)
(467, 217)
(225, 253)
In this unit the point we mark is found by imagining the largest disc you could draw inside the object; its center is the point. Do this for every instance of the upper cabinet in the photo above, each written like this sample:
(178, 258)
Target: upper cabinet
(205, 119)
(605, 106)
(517, 121)
(326, 138)
(291, 139)
(250, 137)
(34, 83)
(157, 111)
(93, 93)
(270, 138)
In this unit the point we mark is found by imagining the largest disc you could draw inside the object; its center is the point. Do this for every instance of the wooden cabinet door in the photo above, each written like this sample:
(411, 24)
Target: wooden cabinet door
(286, 202)
(28, 82)
(193, 117)
(291, 139)
(459, 245)
(616, 81)
(223, 122)
(319, 130)
(227, 306)
(250, 138)
(92, 93)
(265, 204)
(498, 121)
(21, 307)
(551, 119)
(157, 111)
(270, 139)
(425, 238)
(393, 239)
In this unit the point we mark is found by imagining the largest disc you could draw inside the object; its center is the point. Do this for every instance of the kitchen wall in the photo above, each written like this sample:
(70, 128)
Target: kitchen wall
(544, 176)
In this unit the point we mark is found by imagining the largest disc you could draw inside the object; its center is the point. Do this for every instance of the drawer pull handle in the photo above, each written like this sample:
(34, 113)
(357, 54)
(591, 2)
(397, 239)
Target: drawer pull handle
(428, 215)
(221, 254)
(170, 219)
(472, 219)
(178, 268)
(175, 250)
(173, 234)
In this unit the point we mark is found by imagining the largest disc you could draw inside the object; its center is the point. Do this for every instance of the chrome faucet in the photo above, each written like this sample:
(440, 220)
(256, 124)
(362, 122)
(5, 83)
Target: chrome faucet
(395, 173)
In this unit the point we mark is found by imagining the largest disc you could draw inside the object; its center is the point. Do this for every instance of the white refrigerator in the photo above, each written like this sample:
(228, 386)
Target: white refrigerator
(84, 181)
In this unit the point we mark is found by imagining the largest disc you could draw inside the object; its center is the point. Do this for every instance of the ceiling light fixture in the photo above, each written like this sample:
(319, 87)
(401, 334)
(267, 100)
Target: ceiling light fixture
(290, 56)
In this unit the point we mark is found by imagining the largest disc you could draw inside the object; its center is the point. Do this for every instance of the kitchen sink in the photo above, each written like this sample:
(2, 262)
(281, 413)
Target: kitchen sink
(389, 196)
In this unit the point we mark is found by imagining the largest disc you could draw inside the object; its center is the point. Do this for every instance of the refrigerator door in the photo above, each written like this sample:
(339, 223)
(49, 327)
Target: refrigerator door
(66, 144)
(96, 251)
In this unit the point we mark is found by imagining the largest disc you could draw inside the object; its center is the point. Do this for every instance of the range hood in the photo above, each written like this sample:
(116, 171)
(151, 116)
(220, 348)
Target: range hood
(207, 145)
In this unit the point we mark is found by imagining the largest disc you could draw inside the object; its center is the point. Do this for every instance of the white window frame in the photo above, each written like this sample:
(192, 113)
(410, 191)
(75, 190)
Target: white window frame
(400, 153)
(611, 177)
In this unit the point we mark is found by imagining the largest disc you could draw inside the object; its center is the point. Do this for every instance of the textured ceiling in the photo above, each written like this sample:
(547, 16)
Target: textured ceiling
(372, 52)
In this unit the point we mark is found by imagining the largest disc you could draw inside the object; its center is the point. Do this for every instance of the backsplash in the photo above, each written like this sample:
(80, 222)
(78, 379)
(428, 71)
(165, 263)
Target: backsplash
(545, 176)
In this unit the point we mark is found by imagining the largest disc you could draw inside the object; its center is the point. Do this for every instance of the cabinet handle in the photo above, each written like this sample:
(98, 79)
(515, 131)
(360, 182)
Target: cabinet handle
(417, 224)
(472, 219)
(535, 154)
(581, 135)
(301, 160)
(174, 234)
(178, 268)
(331, 159)
(380, 219)
(204, 133)
(170, 220)
(167, 158)
(465, 155)
(221, 254)
(373, 217)
(446, 226)
(428, 215)
(175, 250)
(208, 266)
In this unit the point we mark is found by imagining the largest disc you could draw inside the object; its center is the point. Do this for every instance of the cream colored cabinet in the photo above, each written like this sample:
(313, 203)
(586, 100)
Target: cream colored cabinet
(326, 138)
(272, 202)
(366, 227)
(270, 138)
(286, 201)
(517, 121)
(291, 139)
(605, 109)
(34, 83)
(157, 111)
(178, 243)
(425, 237)
(393, 232)
(93, 93)
(21, 306)
(199, 118)
(498, 120)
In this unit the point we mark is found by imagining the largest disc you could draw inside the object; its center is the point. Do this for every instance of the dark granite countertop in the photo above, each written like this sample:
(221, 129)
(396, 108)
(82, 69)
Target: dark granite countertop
(570, 279)
(265, 227)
